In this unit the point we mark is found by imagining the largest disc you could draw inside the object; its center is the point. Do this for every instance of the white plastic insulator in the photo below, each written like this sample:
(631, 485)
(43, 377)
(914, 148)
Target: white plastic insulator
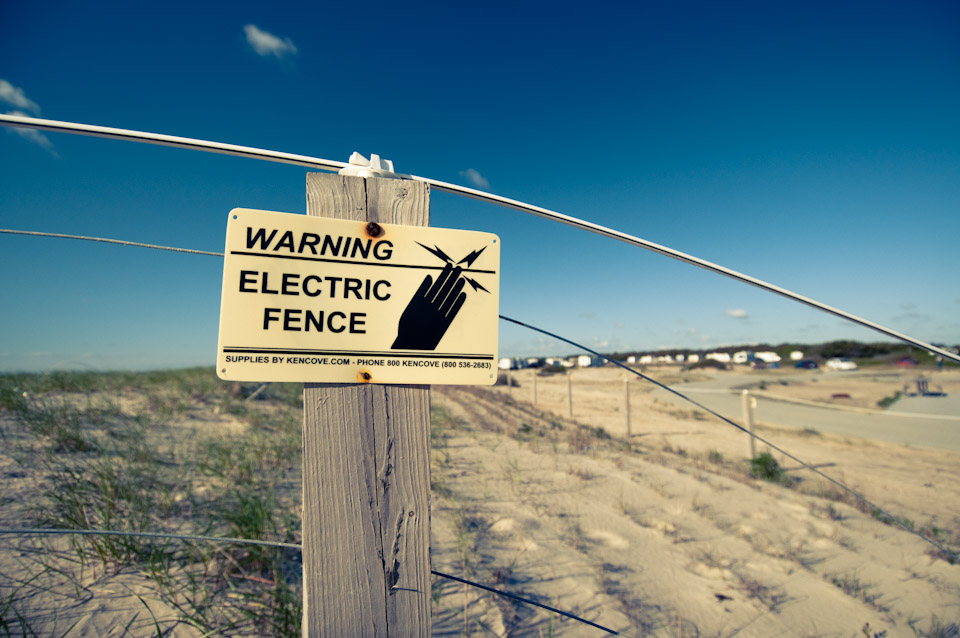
(360, 166)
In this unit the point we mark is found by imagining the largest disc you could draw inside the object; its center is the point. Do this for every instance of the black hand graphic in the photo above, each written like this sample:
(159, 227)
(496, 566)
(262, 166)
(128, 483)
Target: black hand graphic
(430, 312)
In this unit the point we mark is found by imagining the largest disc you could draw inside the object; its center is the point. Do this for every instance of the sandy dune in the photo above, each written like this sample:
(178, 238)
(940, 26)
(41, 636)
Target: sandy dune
(666, 535)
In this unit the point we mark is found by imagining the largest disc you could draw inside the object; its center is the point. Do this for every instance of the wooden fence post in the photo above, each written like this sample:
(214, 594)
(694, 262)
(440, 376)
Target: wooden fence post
(570, 395)
(626, 399)
(366, 466)
(534, 386)
(746, 402)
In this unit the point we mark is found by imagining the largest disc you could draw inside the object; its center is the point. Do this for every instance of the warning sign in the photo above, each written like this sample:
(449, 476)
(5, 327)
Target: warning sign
(330, 301)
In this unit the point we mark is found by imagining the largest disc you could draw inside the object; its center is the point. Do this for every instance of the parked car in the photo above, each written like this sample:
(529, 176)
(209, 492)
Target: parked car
(839, 363)
(807, 364)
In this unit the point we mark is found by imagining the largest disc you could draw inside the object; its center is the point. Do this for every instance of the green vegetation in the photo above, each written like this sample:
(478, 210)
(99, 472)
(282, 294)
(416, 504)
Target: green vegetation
(707, 364)
(886, 402)
(507, 379)
(178, 452)
(864, 354)
(547, 371)
(764, 466)
(857, 350)
(938, 629)
(851, 585)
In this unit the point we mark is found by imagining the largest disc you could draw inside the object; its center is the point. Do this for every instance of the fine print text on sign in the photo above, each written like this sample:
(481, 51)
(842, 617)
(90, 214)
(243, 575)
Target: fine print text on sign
(322, 300)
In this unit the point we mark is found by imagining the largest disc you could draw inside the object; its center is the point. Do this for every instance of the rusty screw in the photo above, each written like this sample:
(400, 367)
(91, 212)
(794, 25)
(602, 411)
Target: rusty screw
(366, 376)
(374, 229)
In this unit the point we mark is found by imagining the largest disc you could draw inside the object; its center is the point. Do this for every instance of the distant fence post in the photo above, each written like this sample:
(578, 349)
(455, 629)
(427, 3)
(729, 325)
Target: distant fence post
(366, 466)
(626, 400)
(570, 394)
(746, 402)
(534, 386)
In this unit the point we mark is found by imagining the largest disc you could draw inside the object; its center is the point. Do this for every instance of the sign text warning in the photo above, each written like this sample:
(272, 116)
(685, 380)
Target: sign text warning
(321, 300)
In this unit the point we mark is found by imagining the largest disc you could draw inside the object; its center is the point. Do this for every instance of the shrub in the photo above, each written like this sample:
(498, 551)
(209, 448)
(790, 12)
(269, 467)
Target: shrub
(707, 363)
(886, 402)
(549, 370)
(766, 467)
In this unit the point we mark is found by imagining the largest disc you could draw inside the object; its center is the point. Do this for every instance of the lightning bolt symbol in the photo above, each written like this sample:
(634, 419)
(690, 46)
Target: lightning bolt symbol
(436, 251)
(476, 285)
(472, 257)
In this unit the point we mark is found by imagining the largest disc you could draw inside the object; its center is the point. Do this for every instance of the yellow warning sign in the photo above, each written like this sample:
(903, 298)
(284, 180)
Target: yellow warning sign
(322, 300)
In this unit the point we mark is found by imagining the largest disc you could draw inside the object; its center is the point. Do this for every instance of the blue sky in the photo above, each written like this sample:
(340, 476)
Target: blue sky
(813, 145)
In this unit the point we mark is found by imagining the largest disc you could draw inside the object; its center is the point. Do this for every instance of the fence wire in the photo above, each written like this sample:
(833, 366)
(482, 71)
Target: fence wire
(857, 495)
(860, 497)
(104, 240)
(277, 544)
(539, 211)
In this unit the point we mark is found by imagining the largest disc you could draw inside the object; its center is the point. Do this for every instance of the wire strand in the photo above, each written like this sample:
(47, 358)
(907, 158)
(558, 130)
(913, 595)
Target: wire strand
(246, 541)
(330, 165)
(860, 497)
(506, 594)
(183, 537)
(806, 465)
(104, 240)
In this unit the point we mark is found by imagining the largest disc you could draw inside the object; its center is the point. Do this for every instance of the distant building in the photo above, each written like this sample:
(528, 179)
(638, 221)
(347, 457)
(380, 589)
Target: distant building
(693, 358)
(767, 357)
(741, 357)
(796, 355)
(722, 357)
(559, 362)
(587, 361)
(512, 363)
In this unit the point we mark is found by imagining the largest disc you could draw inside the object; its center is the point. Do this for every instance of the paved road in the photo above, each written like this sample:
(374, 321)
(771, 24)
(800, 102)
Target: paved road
(921, 421)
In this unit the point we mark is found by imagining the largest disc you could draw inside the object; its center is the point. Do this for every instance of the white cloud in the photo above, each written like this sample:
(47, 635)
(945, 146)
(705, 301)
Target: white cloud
(267, 44)
(32, 135)
(15, 96)
(736, 313)
(475, 178)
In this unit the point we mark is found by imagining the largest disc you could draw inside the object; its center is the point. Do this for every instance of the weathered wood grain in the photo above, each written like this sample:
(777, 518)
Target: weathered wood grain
(366, 466)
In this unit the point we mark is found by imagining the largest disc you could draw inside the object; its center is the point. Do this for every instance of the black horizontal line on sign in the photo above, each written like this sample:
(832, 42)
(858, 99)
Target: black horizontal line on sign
(353, 262)
(345, 353)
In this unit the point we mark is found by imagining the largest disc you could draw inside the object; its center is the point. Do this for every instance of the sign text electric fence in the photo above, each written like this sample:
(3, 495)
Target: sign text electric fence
(321, 300)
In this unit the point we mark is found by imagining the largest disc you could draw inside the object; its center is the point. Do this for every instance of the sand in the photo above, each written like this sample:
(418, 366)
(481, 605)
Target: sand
(664, 533)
